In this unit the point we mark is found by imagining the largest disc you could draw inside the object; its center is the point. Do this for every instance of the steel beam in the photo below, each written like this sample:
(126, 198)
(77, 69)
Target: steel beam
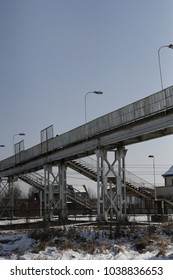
(55, 191)
(6, 197)
(111, 186)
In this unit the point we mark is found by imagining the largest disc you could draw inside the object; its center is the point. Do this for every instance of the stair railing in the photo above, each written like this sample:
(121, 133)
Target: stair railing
(131, 178)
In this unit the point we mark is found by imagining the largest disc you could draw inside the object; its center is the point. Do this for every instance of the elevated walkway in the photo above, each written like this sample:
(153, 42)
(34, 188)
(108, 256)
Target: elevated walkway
(145, 119)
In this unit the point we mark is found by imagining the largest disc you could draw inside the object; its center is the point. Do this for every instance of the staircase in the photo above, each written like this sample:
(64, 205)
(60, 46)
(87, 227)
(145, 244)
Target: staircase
(77, 197)
(134, 184)
(84, 168)
(33, 179)
(88, 167)
(73, 195)
(167, 201)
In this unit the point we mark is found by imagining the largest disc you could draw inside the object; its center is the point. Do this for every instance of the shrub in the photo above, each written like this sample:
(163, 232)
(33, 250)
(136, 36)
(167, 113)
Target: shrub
(142, 243)
(162, 252)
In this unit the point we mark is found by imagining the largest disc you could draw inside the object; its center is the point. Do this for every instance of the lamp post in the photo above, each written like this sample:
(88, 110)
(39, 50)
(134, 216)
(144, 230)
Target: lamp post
(86, 127)
(18, 134)
(166, 46)
(154, 173)
(2, 146)
(94, 92)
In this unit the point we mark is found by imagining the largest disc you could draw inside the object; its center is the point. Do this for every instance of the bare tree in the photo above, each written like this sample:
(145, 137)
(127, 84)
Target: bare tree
(15, 191)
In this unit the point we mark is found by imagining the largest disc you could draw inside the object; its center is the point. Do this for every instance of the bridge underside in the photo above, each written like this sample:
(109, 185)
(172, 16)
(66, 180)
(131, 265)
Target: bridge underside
(56, 193)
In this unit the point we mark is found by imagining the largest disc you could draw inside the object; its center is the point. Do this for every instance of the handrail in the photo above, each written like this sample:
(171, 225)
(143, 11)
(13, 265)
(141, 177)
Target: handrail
(74, 193)
(130, 177)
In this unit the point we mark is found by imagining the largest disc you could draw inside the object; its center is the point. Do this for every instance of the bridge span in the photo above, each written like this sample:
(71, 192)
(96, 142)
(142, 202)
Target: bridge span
(145, 119)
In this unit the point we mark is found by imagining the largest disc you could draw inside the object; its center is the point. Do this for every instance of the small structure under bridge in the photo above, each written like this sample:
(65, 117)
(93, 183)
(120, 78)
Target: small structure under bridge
(145, 119)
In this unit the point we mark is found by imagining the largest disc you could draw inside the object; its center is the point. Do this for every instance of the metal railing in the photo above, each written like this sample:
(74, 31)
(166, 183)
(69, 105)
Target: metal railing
(36, 180)
(91, 164)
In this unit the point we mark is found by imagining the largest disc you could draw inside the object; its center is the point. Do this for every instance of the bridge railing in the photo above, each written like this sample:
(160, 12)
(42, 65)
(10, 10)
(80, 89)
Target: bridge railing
(77, 196)
(137, 181)
(89, 163)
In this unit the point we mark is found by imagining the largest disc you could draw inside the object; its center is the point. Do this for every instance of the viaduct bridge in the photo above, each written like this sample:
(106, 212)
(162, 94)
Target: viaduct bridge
(145, 119)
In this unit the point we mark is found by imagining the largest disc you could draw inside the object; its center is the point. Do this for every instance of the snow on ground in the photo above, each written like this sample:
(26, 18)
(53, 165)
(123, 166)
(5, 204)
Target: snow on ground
(87, 242)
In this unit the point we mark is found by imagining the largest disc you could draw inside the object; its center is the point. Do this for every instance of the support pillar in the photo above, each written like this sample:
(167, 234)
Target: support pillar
(6, 197)
(63, 191)
(111, 201)
(101, 185)
(55, 191)
(121, 184)
(47, 192)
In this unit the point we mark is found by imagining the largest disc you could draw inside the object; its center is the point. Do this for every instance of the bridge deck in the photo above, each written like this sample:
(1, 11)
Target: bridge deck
(145, 119)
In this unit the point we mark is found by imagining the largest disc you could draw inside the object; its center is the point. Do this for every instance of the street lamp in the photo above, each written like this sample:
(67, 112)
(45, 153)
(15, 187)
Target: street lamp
(95, 92)
(18, 134)
(166, 46)
(2, 146)
(154, 173)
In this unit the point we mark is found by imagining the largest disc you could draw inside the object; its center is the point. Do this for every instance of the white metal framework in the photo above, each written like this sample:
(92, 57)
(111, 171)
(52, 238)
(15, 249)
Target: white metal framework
(111, 187)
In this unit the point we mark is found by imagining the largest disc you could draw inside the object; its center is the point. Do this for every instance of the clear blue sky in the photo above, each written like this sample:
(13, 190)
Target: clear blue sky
(54, 51)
